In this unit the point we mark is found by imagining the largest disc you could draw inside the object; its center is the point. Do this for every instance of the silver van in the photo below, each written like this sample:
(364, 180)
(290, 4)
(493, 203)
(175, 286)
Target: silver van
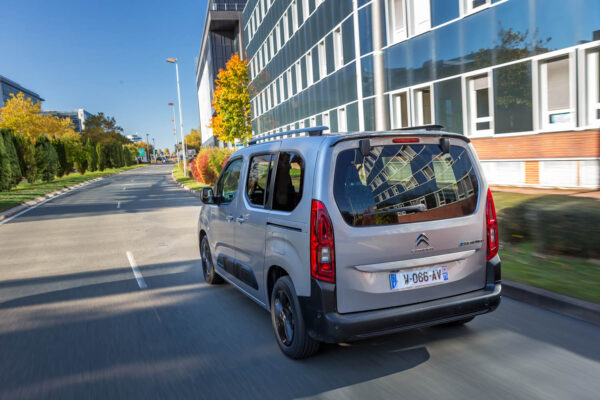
(348, 236)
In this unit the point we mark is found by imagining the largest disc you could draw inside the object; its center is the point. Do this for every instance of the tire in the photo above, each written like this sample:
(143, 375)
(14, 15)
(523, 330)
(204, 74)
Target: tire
(208, 270)
(288, 323)
(460, 322)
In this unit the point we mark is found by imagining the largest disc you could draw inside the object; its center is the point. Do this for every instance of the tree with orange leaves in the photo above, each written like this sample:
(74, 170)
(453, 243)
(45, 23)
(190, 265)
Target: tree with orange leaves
(231, 102)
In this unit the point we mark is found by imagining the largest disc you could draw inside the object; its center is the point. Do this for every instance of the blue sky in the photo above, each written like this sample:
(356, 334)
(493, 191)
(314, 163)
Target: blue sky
(107, 55)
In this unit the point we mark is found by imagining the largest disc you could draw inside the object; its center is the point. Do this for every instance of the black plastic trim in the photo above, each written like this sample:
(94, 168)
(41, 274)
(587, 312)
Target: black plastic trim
(291, 228)
(423, 134)
(241, 271)
(324, 323)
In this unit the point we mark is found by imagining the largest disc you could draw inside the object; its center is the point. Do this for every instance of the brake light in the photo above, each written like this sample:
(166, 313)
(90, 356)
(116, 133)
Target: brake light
(492, 227)
(322, 251)
(406, 140)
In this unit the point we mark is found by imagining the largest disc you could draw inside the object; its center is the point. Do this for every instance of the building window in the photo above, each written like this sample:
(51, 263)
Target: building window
(290, 86)
(313, 121)
(272, 45)
(342, 122)
(593, 86)
(298, 76)
(281, 89)
(326, 121)
(480, 100)
(338, 48)
(305, 10)
(295, 16)
(400, 116)
(398, 21)
(286, 28)
(557, 97)
(309, 69)
(322, 60)
(421, 14)
(475, 5)
(278, 36)
(423, 109)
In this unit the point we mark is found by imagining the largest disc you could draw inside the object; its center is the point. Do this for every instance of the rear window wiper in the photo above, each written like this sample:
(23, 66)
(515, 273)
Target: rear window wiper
(415, 208)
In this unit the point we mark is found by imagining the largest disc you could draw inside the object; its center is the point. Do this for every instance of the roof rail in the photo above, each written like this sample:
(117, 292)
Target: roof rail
(312, 131)
(421, 128)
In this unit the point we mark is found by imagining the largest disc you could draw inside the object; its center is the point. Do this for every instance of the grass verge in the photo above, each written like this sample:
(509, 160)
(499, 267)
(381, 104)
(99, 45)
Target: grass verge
(575, 277)
(187, 181)
(26, 191)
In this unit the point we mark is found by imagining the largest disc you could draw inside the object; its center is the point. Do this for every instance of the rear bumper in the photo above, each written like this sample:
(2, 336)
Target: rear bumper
(324, 323)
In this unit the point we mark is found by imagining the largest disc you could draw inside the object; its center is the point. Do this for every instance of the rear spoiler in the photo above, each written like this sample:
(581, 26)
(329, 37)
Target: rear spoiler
(411, 133)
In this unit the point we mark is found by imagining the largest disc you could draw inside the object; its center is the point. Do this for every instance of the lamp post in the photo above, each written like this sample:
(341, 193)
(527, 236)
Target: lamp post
(174, 128)
(174, 61)
(148, 149)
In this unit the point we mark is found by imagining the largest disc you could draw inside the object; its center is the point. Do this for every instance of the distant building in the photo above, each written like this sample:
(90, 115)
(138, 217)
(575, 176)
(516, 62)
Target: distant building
(134, 138)
(78, 117)
(221, 39)
(520, 78)
(8, 87)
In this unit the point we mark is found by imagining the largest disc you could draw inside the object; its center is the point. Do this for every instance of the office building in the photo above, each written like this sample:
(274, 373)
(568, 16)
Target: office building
(520, 78)
(221, 39)
(8, 87)
(77, 117)
(134, 138)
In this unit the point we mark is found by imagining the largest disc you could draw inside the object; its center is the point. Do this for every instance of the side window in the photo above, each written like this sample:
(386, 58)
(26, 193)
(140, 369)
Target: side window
(228, 184)
(289, 180)
(257, 185)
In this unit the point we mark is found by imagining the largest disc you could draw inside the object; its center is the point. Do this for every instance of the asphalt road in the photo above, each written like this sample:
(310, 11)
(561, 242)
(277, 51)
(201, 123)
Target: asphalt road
(74, 322)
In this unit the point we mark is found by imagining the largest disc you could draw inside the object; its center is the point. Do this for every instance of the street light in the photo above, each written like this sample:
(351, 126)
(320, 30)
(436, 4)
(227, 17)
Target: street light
(148, 149)
(174, 61)
(174, 126)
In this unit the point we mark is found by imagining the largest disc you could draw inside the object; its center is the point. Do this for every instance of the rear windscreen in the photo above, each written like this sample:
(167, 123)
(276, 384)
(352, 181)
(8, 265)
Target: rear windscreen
(404, 183)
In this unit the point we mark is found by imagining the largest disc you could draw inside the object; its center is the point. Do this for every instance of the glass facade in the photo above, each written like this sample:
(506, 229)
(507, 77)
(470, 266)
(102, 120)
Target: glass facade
(444, 46)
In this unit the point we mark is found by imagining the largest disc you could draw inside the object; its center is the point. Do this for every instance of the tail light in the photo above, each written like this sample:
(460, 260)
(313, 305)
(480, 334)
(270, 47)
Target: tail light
(322, 251)
(492, 227)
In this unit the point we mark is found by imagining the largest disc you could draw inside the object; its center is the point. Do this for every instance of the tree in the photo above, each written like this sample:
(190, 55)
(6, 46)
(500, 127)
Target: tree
(193, 140)
(92, 155)
(167, 152)
(23, 116)
(26, 156)
(231, 101)
(13, 158)
(5, 168)
(103, 129)
(102, 156)
(61, 154)
(45, 158)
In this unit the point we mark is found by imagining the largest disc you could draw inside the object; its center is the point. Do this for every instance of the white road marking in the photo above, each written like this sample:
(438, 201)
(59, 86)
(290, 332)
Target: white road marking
(118, 204)
(136, 272)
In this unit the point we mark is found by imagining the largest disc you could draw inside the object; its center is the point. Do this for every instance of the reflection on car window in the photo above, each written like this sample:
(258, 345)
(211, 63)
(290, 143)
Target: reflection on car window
(257, 186)
(386, 186)
(289, 180)
(228, 184)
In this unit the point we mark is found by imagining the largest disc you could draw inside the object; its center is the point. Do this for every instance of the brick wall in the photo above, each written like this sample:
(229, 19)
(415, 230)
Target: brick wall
(543, 145)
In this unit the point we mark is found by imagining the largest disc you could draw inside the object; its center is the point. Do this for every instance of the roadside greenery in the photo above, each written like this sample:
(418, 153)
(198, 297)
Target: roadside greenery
(37, 146)
(207, 165)
(25, 191)
(186, 180)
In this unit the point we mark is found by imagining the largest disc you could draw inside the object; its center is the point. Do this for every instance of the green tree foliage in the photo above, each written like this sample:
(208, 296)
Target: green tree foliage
(61, 154)
(103, 129)
(45, 158)
(26, 156)
(101, 150)
(13, 158)
(193, 140)
(92, 155)
(5, 168)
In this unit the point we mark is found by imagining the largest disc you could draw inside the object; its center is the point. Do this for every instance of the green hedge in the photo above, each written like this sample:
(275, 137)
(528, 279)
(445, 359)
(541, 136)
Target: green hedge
(554, 224)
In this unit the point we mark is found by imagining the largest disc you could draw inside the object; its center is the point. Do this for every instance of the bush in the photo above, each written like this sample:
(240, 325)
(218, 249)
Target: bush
(102, 156)
(218, 158)
(13, 158)
(92, 155)
(554, 224)
(206, 173)
(61, 156)
(26, 156)
(45, 159)
(5, 167)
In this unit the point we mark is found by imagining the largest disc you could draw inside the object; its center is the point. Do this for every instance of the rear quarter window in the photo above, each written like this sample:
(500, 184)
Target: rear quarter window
(404, 183)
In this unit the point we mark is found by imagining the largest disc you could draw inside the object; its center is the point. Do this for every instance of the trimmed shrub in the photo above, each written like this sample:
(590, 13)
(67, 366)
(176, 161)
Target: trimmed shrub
(102, 160)
(61, 156)
(81, 166)
(205, 172)
(13, 158)
(554, 224)
(91, 155)
(45, 159)
(26, 155)
(218, 158)
(6, 174)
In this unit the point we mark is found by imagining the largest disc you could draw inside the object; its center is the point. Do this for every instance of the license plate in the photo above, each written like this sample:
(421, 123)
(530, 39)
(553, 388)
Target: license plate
(416, 278)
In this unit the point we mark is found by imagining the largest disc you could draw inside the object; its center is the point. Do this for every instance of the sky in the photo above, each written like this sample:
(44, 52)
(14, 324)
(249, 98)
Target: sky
(107, 56)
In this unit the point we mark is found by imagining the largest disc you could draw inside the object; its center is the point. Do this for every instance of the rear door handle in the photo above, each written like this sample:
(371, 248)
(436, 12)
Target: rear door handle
(229, 218)
(240, 219)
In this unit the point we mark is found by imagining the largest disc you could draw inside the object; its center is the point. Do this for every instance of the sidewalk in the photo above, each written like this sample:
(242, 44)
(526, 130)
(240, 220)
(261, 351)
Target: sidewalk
(591, 193)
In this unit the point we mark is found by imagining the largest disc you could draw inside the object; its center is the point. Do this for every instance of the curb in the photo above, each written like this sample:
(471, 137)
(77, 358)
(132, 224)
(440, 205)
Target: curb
(185, 187)
(561, 304)
(21, 207)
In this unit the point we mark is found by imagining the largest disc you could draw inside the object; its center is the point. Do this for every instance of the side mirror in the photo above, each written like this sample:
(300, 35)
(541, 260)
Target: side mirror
(207, 195)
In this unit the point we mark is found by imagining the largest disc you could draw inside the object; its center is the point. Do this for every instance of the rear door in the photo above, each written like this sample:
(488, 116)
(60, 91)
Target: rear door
(407, 223)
